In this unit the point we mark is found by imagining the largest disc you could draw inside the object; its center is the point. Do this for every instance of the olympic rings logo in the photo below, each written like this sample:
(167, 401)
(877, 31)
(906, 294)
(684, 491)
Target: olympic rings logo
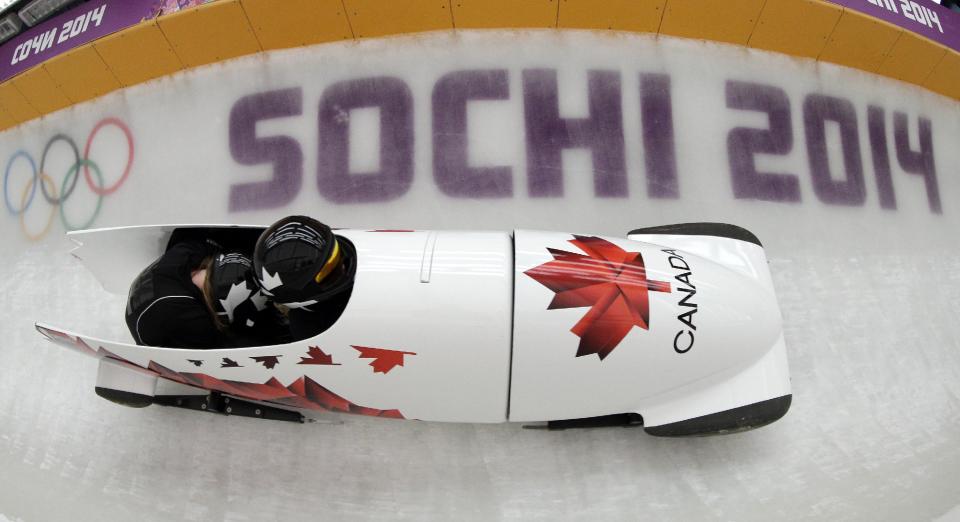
(48, 187)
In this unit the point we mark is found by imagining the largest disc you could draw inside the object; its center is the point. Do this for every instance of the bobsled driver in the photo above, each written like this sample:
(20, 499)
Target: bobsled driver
(197, 296)
(302, 266)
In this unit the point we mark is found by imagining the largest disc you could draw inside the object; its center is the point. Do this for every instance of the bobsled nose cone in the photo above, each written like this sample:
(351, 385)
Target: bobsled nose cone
(734, 420)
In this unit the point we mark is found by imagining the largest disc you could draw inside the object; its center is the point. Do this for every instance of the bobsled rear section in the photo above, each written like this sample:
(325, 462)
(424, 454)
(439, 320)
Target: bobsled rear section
(425, 334)
(678, 325)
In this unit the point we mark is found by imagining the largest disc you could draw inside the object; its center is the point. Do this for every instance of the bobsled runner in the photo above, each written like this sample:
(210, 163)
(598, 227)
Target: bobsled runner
(675, 328)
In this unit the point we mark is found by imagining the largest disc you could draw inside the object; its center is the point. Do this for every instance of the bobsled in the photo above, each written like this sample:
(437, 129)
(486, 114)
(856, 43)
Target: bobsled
(674, 328)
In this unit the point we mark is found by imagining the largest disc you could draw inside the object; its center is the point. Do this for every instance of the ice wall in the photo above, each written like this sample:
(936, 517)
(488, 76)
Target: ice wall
(849, 179)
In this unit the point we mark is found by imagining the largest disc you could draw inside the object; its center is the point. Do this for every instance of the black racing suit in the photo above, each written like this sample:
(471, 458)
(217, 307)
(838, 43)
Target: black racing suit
(317, 318)
(165, 308)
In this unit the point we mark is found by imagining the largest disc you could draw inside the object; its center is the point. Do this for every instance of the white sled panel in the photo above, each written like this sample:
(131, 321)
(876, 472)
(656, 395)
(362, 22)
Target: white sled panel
(744, 257)
(642, 322)
(436, 350)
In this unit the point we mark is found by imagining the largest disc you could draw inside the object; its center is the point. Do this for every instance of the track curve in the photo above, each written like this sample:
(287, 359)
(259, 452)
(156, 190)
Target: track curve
(862, 251)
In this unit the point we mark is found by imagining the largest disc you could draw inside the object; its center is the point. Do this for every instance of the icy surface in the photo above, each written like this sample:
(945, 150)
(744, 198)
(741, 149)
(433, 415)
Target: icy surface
(872, 433)
(869, 299)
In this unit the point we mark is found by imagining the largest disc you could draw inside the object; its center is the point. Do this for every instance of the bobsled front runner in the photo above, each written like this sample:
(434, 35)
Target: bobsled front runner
(677, 327)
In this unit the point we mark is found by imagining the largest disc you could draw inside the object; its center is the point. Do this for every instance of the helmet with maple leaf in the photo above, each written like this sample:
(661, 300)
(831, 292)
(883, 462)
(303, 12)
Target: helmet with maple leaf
(298, 262)
(233, 290)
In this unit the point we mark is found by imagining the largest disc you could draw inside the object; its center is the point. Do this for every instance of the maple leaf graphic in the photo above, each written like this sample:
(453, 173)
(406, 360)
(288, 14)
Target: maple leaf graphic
(195, 362)
(317, 356)
(229, 363)
(383, 360)
(302, 393)
(610, 280)
(268, 361)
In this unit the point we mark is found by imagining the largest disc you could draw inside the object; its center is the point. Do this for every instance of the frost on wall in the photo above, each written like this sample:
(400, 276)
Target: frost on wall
(589, 131)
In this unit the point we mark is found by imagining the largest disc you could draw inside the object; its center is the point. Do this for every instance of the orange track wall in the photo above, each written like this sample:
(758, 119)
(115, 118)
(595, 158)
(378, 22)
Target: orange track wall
(229, 28)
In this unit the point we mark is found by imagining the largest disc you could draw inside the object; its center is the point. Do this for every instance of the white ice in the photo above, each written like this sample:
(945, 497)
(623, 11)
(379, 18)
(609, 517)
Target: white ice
(869, 299)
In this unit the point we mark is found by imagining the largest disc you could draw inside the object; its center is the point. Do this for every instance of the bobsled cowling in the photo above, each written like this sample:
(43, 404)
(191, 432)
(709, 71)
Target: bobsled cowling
(680, 329)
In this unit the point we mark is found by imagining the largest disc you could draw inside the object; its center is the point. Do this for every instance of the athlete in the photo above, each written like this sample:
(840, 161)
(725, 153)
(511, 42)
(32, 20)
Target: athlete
(302, 266)
(195, 296)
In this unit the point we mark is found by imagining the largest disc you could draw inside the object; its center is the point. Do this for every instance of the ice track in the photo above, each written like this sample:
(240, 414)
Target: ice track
(872, 433)
(869, 299)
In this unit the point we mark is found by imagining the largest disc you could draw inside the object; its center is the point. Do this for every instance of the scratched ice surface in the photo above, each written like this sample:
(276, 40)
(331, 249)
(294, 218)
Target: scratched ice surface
(872, 433)
(869, 300)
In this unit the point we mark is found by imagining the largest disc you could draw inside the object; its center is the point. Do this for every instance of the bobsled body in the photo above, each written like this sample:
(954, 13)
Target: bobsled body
(678, 327)
(695, 330)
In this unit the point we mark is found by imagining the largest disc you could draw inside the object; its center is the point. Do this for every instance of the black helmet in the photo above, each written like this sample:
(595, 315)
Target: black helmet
(235, 293)
(299, 262)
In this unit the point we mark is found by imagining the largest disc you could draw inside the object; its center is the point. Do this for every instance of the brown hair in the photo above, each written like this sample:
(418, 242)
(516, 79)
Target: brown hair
(218, 321)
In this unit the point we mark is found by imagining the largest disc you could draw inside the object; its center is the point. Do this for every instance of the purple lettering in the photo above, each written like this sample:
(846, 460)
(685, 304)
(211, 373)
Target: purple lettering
(881, 156)
(548, 134)
(817, 111)
(744, 142)
(282, 152)
(656, 115)
(451, 171)
(334, 179)
(921, 161)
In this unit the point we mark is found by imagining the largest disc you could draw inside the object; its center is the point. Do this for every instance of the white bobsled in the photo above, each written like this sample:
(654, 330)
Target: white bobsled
(676, 328)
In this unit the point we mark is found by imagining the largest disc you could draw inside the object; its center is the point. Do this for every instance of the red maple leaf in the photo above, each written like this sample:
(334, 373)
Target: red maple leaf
(229, 363)
(302, 393)
(268, 361)
(610, 280)
(383, 360)
(317, 356)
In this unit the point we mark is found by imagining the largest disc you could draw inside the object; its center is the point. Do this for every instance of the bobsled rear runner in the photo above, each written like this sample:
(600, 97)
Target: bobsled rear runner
(676, 328)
